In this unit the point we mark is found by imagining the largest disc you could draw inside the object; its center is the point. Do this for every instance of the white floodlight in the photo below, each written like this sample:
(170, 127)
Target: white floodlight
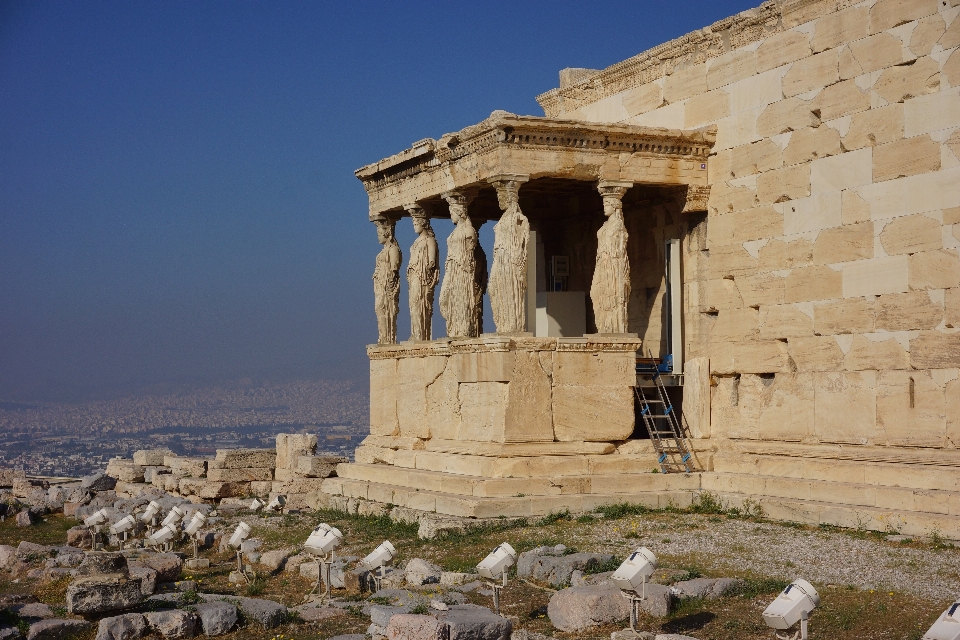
(379, 557)
(163, 536)
(98, 518)
(947, 626)
(150, 514)
(793, 605)
(197, 521)
(122, 528)
(174, 517)
(241, 533)
(321, 543)
(277, 504)
(495, 567)
(256, 505)
(631, 578)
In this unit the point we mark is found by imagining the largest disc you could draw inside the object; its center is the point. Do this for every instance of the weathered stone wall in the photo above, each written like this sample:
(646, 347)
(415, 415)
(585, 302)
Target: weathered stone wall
(825, 286)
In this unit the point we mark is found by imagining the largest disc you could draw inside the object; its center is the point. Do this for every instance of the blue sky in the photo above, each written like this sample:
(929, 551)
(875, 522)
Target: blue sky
(177, 199)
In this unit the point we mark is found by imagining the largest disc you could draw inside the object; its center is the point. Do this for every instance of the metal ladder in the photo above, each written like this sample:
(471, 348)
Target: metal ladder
(666, 433)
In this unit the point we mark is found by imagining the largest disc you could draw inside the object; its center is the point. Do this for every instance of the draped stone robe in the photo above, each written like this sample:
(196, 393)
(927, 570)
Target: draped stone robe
(421, 281)
(610, 289)
(386, 292)
(458, 298)
(508, 279)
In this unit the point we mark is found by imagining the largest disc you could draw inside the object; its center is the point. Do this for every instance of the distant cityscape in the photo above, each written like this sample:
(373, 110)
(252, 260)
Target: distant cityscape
(53, 439)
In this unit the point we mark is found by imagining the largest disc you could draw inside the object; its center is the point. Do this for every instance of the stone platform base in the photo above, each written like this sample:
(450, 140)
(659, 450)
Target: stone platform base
(911, 492)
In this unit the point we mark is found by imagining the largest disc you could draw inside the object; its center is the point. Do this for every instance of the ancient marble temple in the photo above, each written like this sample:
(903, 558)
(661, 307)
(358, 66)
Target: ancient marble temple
(773, 202)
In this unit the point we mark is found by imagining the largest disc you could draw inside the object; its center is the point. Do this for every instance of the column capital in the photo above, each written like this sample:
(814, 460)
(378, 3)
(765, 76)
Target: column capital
(462, 197)
(613, 188)
(506, 178)
(415, 210)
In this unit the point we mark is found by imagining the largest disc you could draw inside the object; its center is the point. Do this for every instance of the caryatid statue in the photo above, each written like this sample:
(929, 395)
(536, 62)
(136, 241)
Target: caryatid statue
(386, 282)
(479, 282)
(423, 273)
(610, 289)
(458, 299)
(508, 278)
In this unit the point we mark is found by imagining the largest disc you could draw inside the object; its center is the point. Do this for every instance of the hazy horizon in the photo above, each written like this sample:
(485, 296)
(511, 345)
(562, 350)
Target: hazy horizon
(178, 205)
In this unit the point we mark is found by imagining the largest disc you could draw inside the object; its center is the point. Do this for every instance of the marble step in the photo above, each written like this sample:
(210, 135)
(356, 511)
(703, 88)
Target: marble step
(457, 484)
(875, 474)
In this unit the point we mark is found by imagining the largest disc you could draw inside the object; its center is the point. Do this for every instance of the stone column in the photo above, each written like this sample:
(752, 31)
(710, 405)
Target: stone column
(423, 274)
(457, 293)
(610, 289)
(386, 281)
(508, 278)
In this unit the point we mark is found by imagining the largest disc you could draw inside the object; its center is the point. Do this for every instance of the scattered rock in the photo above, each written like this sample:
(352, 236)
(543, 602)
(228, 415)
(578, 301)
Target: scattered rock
(26, 518)
(420, 572)
(453, 578)
(267, 613)
(130, 626)
(707, 588)
(548, 564)
(577, 608)
(470, 621)
(274, 560)
(147, 577)
(100, 594)
(173, 624)
(36, 610)
(55, 629)
(293, 563)
(167, 565)
(315, 613)
(98, 482)
(8, 557)
(405, 626)
(103, 562)
(217, 618)
(80, 537)
(10, 633)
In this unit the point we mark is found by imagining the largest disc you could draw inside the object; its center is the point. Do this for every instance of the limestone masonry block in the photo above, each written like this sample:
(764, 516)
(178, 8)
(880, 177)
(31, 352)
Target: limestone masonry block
(749, 159)
(908, 311)
(819, 353)
(776, 254)
(482, 409)
(779, 185)
(706, 108)
(935, 350)
(729, 260)
(886, 14)
(239, 475)
(763, 289)
(762, 356)
(787, 407)
(290, 446)
(818, 70)
(592, 413)
(782, 48)
(906, 157)
(841, 27)
(902, 82)
(484, 366)
(853, 208)
(877, 52)
(151, 457)
(642, 99)
(844, 244)
(730, 67)
(911, 234)
(873, 127)
(951, 306)
(850, 315)
(797, 12)
(951, 69)
(416, 374)
(616, 369)
(722, 293)
(180, 467)
(736, 325)
(841, 99)
(813, 283)
(875, 277)
(932, 112)
(318, 466)
(911, 409)
(866, 354)
(784, 321)
(786, 115)
(749, 224)
(951, 37)
(685, 83)
(812, 143)
(845, 171)
(383, 397)
(845, 407)
(926, 34)
(244, 458)
(696, 396)
(527, 417)
(725, 198)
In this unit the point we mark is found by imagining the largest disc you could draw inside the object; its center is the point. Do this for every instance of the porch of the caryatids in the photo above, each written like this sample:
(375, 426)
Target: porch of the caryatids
(458, 299)
(386, 281)
(610, 289)
(423, 273)
(508, 277)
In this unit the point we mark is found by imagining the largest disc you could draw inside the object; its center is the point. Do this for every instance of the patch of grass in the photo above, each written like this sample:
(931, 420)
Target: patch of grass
(9, 618)
(585, 519)
(420, 609)
(601, 567)
(622, 510)
(188, 598)
(51, 530)
(707, 503)
(553, 517)
(754, 587)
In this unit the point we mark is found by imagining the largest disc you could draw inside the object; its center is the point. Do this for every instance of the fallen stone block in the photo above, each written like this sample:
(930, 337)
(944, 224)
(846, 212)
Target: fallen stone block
(152, 457)
(102, 562)
(10, 633)
(216, 618)
(129, 626)
(33, 611)
(266, 613)
(316, 613)
(167, 565)
(274, 560)
(26, 519)
(146, 576)
(470, 621)
(124, 470)
(318, 466)
(98, 482)
(577, 608)
(27, 487)
(8, 557)
(56, 629)
(557, 569)
(79, 537)
(707, 588)
(455, 579)
(406, 626)
(174, 624)
(239, 475)
(420, 572)
(102, 594)
(245, 459)
(8, 476)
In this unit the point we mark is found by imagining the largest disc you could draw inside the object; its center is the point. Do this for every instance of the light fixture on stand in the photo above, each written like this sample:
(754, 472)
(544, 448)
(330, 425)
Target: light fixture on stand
(122, 529)
(241, 533)
(793, 605)
(495, 568)
(96, 520)
(256, 505)
(947, 626)
(149, 516)
(277, 504)
(193, 530)
(379, 558)
(163, 536)
(174, 516)
(322, 544)
(631, 578)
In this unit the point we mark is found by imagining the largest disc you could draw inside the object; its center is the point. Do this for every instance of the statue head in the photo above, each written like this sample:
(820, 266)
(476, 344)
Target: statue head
(612, 205)
(508, 196)
(385, 230)
(421, 221)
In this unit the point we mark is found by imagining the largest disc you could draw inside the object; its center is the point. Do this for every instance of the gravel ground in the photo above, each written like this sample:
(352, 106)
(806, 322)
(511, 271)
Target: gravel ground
(721, 545)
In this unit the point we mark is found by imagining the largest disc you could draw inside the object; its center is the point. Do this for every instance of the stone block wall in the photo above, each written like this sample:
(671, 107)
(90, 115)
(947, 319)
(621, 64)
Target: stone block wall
(823, 289)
